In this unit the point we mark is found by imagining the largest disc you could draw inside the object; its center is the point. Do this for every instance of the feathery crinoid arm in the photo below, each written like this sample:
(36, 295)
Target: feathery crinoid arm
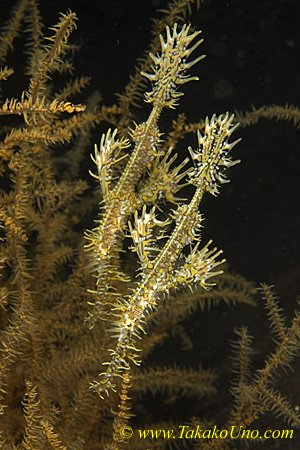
(166, 267)
(122, 198)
